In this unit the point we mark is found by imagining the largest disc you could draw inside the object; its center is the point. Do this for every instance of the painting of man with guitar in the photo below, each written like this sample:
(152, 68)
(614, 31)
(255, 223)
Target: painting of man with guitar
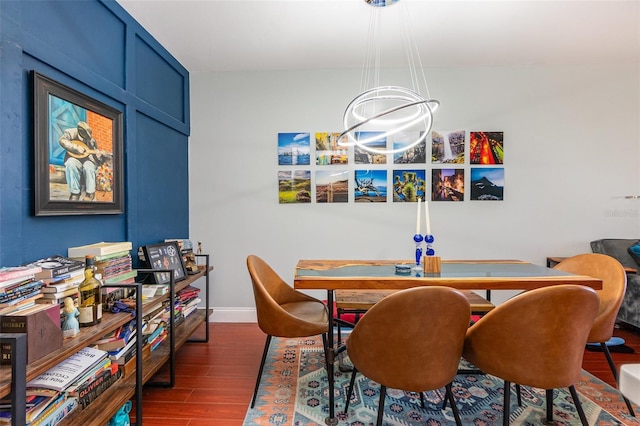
(82, 160)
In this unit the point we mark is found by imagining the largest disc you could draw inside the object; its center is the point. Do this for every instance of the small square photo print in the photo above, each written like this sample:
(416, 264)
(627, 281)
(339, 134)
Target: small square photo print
(486, 148)
(408, 185)
(294, 149)
(332, 186)
(447, 185)
(447, 147)
(328, 152)
(294, 186)
(370, 186)
(487, 183)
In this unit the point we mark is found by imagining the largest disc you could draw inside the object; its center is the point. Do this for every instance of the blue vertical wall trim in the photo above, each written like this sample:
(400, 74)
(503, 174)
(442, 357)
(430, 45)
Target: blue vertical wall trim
(11, 131)
(90, 45)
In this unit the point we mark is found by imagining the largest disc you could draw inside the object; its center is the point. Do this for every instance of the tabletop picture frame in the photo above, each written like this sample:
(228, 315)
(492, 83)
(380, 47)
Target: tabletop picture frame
(78, 152)
(166, 255)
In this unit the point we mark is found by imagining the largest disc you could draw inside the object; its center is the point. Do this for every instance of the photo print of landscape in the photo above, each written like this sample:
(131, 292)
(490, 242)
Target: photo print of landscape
(370, 186)
(447, 147)
(486, 148)
(332, 186)
(487, 183)
(328, 152)
(408, 185)
(413, 155)
(294, 149)
(447, 185)
(294, 186)
(362, 156)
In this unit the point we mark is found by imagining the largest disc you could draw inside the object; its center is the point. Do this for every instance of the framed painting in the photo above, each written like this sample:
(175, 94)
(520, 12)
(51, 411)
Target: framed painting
(78, 147)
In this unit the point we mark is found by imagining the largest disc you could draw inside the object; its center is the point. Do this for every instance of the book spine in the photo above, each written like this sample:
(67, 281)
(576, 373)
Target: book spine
(59, 414)
(18, 272)
(89, 396)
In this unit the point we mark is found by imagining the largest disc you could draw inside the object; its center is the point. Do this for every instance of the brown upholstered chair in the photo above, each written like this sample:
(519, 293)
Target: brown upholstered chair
(614, 285)
(283, 311)
(411, 340)
(536, 339)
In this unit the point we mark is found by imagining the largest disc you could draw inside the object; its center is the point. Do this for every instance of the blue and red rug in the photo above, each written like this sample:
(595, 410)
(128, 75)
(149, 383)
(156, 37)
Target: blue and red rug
(294, 389)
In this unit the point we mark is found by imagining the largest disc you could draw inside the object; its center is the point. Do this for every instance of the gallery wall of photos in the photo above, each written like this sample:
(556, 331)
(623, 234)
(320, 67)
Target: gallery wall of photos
(449, 166)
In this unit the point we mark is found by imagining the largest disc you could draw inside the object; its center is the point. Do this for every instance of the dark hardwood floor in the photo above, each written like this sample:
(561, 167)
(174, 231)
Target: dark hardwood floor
(215, 380)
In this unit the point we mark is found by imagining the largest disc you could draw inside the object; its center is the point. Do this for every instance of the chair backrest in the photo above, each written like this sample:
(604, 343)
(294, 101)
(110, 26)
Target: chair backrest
(614, 286)
(271, 293)
(412, 339)
(537, 338)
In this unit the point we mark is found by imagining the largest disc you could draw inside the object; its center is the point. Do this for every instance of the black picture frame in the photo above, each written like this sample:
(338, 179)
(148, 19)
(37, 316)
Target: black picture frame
(58, 113)
(165, 255)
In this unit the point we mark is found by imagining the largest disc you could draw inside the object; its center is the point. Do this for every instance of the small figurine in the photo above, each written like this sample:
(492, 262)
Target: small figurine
(190, 264)
(70, 325)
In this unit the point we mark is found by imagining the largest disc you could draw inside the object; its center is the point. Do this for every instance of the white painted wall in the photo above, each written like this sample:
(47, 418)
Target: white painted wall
(571, 155)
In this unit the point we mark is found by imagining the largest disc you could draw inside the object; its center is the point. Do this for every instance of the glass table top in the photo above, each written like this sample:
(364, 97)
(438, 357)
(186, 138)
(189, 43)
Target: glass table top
(448, 270)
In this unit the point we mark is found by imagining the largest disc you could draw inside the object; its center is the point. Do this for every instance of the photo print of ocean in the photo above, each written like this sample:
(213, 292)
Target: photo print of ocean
(362, 156)
(332, 186)
(448, 185)
(294, 186)
(447, 147)
(328, 152)
(487, 183)
(408, 185)
(486, 148)
(370, 186)
(294, 149)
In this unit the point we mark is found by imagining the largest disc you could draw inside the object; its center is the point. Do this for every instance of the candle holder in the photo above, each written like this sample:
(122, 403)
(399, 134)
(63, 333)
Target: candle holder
(428, 239)
(417, 238)
(431, 261)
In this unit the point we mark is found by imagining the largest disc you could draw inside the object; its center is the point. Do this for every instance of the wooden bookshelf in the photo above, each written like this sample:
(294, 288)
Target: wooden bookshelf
(106, 405)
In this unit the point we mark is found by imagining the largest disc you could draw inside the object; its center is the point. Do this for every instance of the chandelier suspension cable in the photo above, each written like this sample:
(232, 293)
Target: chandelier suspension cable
(388, 114)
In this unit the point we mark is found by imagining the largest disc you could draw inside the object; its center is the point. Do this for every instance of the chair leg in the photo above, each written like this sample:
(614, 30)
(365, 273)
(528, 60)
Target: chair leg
(454, 407)
(507, 402)
(326, 348)
(422, 400)
(576, 401)
(350, 390)
(612, 366)
(383, 392)
(339, 316)
(264, 358)
(549, 393)
(519, 395)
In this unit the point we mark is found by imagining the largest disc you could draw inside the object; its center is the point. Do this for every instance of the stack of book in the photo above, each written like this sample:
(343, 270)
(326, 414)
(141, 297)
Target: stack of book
(113, 263)
(120, 344)
(19, 288)
(188, 300)
(61, 278)
(76, 381)
(154, 327)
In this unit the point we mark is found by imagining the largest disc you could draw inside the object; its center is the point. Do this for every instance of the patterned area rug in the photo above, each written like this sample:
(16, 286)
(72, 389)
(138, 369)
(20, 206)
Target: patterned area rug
(294, 389)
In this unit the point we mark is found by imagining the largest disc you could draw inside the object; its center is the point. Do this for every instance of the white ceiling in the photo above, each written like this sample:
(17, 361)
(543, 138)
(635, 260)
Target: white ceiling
(232, 35)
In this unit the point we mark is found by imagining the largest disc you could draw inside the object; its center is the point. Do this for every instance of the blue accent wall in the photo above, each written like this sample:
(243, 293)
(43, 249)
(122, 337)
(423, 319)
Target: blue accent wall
(97, 48)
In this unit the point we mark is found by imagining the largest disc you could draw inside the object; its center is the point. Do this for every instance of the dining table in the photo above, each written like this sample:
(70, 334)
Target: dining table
(486, 275)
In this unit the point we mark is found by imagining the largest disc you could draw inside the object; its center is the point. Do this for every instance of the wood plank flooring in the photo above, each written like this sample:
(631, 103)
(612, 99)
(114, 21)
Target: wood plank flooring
(215, 380)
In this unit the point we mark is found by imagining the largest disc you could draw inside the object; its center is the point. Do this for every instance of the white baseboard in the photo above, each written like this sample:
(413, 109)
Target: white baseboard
(234, 315)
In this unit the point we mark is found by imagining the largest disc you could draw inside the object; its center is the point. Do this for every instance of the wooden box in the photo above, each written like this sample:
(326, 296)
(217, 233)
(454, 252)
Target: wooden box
(42, 326)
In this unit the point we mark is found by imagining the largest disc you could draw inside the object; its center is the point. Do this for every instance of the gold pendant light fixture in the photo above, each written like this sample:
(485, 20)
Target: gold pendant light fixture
(383, 114)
